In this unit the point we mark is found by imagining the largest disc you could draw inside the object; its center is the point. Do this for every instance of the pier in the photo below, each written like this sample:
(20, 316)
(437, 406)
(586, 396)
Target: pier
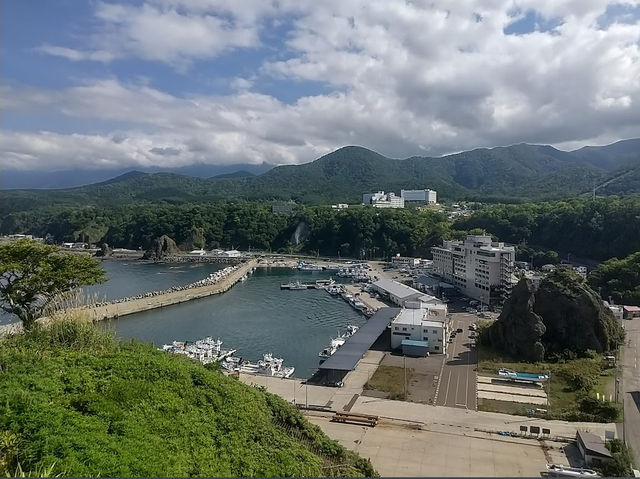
(117, 309)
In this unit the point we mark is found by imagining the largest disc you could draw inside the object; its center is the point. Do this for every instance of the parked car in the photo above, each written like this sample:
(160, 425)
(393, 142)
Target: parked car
(459, 330)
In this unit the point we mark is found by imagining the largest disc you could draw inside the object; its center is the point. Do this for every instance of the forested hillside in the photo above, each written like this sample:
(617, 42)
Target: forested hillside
(77, 403)
(498, 174)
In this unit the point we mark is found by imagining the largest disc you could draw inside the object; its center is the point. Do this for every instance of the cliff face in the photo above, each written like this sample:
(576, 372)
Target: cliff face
(518, 330)
(575, 316)
(563, 314)
(160, 248)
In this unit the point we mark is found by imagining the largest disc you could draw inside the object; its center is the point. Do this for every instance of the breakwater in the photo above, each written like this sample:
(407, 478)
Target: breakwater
(216, 283)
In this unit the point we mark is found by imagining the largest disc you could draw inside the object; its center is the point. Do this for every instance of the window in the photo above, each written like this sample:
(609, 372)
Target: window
(434, 331)
(397, 328)
(404, 329)
(437, 348)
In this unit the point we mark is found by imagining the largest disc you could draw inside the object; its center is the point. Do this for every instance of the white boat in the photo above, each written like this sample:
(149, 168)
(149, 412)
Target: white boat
(337, 342)
(304, 266)
(207, 350)
(334, 289)
(557, 470)
(267, 366)
(334, 345)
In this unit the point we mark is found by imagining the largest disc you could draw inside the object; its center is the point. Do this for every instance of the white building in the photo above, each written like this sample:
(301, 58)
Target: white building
(397, 293)
(424, 197)
(420, 325)
(478, 267)
(340, 206)
(405, 262)
(383, 200)
(197, 252)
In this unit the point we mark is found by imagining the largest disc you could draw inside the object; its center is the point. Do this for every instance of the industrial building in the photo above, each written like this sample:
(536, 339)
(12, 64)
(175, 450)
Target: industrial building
(479, 267)
(418, 331)
(397, 293)
(383, 200)
(592, 448)
(423, 197)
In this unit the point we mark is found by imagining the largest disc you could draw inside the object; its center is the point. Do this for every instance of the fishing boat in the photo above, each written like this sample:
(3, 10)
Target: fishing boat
(207, 350)
(267, 366)
(337, 342)
(304, 266)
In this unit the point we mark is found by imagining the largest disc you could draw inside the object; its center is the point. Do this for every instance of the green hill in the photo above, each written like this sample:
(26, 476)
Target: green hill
(517, 171)
(77, 403)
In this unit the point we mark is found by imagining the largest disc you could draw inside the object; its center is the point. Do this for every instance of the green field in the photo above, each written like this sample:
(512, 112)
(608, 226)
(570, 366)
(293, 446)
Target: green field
(390, 379)
(564, 397)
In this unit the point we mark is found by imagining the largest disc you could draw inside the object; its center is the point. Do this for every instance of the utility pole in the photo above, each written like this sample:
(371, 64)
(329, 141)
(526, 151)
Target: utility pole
(549, 393)
(405, 376)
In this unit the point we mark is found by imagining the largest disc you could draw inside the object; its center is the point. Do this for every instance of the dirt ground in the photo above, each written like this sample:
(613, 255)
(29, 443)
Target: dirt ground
(421, 388)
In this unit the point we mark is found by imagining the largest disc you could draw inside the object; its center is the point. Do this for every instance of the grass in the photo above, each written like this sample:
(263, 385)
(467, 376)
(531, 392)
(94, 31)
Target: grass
(76, 402)
(506, 407)
(562, 397)
(390, 379)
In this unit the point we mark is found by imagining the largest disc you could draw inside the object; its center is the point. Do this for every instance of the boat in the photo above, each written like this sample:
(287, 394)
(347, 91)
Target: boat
(334, 289)
(527, 377)
(557, 470)
(207, 350)
(267, 366)
(294, 286)
(334, 345)
(303, 266)
(337, 342)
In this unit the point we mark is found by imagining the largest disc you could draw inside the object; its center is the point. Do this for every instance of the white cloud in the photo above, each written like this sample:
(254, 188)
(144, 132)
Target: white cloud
(421, 77)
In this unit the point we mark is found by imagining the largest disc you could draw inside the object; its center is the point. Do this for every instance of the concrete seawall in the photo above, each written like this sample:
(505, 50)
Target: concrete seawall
(115, 310)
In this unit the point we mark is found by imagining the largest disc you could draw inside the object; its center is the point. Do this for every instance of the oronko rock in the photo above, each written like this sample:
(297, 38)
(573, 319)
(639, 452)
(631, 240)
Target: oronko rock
(161, 248)
(518, 330)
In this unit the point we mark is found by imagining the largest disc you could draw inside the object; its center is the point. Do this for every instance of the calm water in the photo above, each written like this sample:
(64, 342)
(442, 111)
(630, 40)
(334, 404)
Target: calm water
(254, 317)
(131, 278)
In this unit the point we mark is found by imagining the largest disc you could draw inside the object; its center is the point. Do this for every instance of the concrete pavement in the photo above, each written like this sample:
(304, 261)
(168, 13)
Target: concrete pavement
(631, 386)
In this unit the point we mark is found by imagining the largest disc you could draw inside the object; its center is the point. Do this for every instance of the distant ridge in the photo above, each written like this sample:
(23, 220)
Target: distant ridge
(235, 174)
(507, 173)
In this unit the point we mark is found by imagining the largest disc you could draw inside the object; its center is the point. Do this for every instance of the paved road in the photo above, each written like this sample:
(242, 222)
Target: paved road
(457, 387)
(631, 386)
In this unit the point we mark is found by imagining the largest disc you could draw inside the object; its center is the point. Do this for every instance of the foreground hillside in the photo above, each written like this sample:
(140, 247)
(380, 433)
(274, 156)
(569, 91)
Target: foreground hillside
(77, 403)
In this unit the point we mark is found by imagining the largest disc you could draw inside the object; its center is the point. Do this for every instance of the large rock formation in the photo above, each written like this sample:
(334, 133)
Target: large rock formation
(575, 316)
(564, 314)
(518, 330)
(161, 248)
(104, 251)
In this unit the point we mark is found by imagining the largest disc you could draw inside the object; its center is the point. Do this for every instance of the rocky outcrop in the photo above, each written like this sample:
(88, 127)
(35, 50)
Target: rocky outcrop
(575, 316)
(161, 248)
(563, 314)
(104, 251)
(518, 330)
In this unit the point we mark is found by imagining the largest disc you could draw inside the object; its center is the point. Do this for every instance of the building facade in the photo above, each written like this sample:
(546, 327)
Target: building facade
(383, 200)
(478, 267)
(422, 326)
(424, 197)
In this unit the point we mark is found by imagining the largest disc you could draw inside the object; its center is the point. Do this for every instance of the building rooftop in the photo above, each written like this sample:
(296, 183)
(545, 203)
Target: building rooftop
(346, 358)
(399, 290)
(593, 444)
(416, 317)
(632, 309)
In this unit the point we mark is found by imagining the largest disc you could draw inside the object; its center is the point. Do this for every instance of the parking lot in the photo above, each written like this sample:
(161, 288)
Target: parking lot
(457, 385)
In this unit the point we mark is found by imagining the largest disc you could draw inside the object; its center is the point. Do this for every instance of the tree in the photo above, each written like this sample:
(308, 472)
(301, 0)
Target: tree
(32, 275)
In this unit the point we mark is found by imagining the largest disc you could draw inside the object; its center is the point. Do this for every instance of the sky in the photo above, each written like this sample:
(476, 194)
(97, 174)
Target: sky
(98, 84)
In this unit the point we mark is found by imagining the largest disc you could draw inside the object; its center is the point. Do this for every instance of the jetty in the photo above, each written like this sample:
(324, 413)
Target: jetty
(116, 309)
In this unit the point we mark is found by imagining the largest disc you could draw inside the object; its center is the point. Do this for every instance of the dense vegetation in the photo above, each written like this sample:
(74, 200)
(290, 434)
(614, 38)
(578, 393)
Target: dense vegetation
(354, 232)
(599, 229)
(618, 279)
(497, 174)
(76, 402)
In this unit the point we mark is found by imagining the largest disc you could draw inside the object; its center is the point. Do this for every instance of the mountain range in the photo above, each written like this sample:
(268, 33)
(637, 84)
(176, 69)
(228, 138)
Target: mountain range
(511, 173)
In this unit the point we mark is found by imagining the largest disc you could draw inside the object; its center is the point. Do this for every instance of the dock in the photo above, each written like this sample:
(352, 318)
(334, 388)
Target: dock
(115, 310)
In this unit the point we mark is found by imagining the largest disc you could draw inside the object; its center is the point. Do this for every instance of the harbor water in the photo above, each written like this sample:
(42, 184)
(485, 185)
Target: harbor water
(254, 317)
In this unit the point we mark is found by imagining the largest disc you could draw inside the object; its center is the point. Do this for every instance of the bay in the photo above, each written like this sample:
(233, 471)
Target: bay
(254, 317)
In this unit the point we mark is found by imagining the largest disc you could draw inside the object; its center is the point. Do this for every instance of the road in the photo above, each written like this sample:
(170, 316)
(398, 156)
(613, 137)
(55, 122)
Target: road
(457, 383)
(631, 386)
